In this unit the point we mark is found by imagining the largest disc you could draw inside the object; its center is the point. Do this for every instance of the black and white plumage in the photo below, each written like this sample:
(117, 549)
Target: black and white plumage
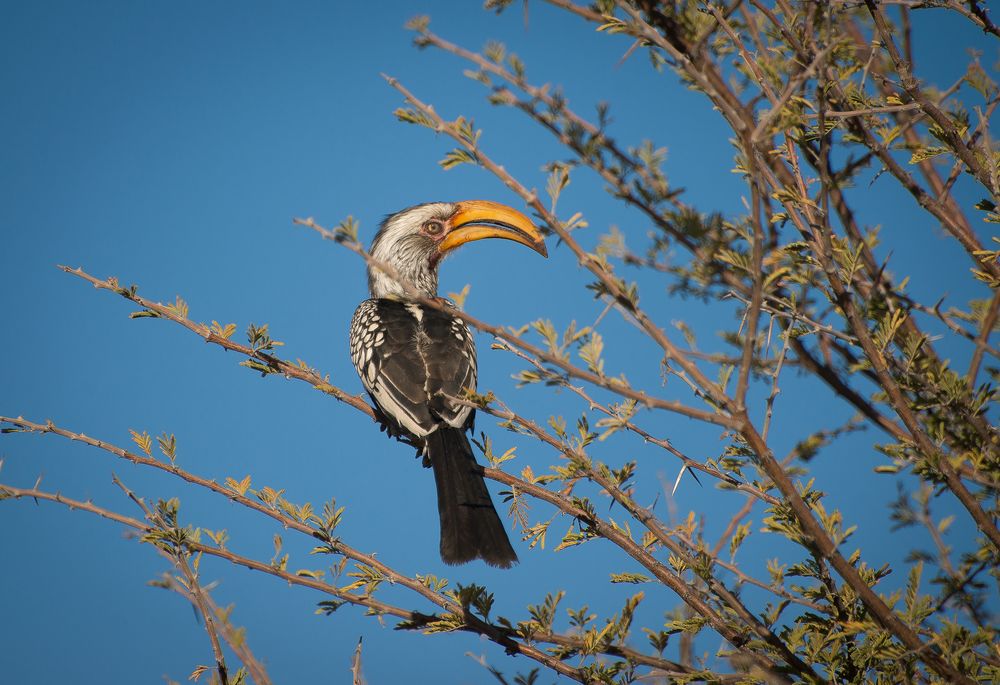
(415, 360)
(412, 359)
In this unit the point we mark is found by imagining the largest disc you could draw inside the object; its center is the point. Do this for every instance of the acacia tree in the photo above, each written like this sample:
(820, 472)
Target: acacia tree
(822, 99)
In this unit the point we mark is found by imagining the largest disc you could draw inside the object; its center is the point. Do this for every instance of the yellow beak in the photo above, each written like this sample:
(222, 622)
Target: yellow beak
(478, 219)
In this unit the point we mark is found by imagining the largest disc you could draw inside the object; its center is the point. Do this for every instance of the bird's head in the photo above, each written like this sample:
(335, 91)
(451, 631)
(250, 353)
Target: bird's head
(414, 241)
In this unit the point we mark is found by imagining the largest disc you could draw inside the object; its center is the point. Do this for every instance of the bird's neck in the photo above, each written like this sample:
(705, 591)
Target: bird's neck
(409, 274)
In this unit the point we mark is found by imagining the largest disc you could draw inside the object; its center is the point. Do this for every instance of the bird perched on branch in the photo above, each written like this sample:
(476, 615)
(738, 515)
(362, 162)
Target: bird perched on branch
(416, 360)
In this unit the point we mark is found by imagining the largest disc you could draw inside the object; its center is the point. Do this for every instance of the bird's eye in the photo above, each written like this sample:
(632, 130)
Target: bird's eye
(434, 228)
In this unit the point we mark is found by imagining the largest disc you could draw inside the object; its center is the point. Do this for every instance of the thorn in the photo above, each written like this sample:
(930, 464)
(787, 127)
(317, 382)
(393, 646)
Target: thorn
(678, 481)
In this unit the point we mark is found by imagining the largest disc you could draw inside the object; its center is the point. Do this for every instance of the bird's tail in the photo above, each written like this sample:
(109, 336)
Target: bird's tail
(470, 526)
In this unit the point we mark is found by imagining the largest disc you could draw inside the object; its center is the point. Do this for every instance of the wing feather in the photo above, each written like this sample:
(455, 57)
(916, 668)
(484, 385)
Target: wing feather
(413, 361)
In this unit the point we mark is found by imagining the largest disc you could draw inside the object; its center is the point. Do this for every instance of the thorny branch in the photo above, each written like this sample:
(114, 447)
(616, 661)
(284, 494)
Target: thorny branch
(468, 621)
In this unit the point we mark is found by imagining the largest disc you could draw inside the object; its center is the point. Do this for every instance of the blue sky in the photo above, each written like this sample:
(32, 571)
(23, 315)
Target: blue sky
(170, 145)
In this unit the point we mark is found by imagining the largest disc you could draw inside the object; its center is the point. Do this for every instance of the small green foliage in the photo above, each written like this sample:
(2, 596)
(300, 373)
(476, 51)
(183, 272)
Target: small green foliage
(419, 23)
(516, 66)
(888, 328)
(367, 577)
(268, 495)
(143, 440)
(223, 331)
(612, 244)
(240, 487)
(495, 51)
(482, 401)
(219, 537)
(168, 446)
(991, 257)
(535, 535)
(691, 625)
(179, 308)
(198, 672)
(739, 535)
(445, 623)
(543, 615)
(630, 578)
(260, 339)
(579, 532)
(485, 445)
(433, 582)
(414, 116)
(590, 352)
(332, 516)
(622, 413)
(557, 182)
(327, 607)
(459, 298)
(497, 6)
(467, 131)
(925, 153)
(506, 456)
(144, 314)
(456, 157)
(347, 231)
(624, 294)
(473, 597)
(613, 24)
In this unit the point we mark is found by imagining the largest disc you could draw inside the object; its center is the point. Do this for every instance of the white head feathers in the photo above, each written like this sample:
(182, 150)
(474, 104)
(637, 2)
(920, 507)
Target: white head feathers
(401, 244)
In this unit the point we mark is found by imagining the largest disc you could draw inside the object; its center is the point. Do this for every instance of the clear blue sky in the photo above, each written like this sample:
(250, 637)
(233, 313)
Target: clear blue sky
(170, 144)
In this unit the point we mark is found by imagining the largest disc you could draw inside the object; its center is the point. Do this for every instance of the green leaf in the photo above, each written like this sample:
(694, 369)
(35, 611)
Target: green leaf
(630, 578)
(456, 157)
(143, 440)
(925, 153)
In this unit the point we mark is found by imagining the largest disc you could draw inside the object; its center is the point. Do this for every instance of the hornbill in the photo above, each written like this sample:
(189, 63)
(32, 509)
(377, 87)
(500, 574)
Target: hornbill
(416, 360)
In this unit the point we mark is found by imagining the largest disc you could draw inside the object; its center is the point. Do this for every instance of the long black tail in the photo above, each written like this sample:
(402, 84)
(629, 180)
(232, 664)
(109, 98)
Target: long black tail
(470, 526)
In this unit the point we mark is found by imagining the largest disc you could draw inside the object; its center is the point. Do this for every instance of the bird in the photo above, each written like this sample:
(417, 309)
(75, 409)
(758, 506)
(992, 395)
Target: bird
(416, 361)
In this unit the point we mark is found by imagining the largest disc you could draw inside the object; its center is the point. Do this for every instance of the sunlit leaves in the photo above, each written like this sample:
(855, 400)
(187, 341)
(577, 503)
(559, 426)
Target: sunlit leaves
(143, 440)
(168, 446)
(543, 615)
(925, 153)
(590, 352)
(219, 537)
(223, 331)
(456, 157)
(691, 625)
(366, 577)
(240, 486)
(739, 535)
(557, 181)
(459, 298)
(315, 574)
(980, 80)
(473, 596)
(411, 115)
(260, 339)
(346, 231)
(622, 413)
(419, 23)
(495, 51)
(630, 578)
(888, 328)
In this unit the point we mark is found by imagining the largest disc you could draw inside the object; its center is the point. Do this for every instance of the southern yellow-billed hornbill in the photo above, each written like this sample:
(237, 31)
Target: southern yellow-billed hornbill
(415, 360)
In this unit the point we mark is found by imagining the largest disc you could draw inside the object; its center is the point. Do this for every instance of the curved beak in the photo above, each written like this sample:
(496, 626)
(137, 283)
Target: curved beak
(478, 219)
